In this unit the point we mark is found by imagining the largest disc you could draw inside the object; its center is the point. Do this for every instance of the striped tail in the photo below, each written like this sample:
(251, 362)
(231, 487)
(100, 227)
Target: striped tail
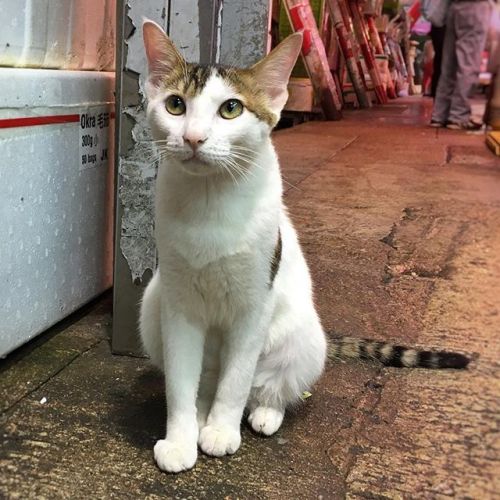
(394, 355)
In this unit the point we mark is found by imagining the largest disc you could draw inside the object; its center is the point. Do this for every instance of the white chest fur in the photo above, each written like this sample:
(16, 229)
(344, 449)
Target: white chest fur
(216, 239)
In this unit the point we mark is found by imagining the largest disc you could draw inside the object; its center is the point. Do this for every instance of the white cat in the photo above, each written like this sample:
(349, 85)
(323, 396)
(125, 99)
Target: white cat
(229, 314)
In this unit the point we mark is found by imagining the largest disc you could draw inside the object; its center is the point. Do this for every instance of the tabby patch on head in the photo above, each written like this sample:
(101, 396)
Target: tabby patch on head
(189, 80)
(261, 89)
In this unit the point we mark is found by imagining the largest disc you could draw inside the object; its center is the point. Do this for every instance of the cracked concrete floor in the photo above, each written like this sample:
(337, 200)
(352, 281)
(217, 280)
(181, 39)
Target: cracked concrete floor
(401, 227)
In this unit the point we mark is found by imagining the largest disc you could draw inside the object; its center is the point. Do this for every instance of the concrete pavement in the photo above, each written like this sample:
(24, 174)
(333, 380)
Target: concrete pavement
(401, 227)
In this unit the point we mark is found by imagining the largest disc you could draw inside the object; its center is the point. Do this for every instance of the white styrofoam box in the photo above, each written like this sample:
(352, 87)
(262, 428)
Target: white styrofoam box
(65, 34)
(56, 196)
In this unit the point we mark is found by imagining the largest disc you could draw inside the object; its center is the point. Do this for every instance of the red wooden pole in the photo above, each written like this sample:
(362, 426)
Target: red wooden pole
(346, 16)
(373, 32)
(348, 53)
(360, 30)
(315, 58)
(391, 88)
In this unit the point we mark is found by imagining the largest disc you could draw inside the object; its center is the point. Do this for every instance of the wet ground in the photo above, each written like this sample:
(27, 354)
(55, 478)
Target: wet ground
(401, 227)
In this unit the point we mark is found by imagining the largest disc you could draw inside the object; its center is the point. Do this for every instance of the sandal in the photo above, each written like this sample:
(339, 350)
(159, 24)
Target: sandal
(436, 124)
(468, 125)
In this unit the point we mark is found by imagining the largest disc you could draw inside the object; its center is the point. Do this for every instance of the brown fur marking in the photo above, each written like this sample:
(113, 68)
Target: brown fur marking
(275, 263)
(254, 97)
(188, 80)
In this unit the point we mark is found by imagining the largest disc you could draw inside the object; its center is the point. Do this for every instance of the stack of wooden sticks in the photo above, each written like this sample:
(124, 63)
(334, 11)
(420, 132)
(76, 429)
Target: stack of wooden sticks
(346, 53)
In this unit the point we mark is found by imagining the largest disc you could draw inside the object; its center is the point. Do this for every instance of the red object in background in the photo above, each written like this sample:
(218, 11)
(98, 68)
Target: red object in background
(374, 36)
(361, 32)
(346, 46)
(427, 78)
(414, 13)
(315, 58)
(484, 61)
(307, 42)
(298, 25)
(33, 121)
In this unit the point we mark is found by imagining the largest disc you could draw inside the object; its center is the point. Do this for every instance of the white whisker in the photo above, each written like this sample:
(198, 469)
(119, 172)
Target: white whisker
(250, 163)
(228, 170)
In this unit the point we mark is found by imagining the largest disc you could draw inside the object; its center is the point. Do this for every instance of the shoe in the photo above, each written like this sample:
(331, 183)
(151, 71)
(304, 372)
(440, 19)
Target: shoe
(468, 125)
(436, 124)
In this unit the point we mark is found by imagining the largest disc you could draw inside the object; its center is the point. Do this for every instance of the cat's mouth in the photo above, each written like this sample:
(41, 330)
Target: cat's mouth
(203, 163)
(189, 157)
(195, 157)
(195, 164)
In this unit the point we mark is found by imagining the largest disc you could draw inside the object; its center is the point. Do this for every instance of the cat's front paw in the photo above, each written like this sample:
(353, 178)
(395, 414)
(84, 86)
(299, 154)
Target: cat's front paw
(265, 420)
(219, 440)
(174, 457)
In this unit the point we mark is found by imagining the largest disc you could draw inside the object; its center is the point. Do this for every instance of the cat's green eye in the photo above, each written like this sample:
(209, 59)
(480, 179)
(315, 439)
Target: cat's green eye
(175, 105)
(231, 109)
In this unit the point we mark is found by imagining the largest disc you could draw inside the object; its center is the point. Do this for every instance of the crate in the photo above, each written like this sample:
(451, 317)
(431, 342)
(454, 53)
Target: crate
(493, 142)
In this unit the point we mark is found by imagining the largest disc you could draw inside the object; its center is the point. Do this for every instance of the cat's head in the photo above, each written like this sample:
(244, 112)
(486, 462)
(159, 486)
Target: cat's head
(209, 117)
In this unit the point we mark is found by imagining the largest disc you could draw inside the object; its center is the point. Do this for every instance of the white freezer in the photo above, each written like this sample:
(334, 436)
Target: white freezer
(56, 196)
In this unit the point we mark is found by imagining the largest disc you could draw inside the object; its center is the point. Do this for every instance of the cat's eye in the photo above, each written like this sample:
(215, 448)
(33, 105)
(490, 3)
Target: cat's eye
(231, 109)
(175, 105)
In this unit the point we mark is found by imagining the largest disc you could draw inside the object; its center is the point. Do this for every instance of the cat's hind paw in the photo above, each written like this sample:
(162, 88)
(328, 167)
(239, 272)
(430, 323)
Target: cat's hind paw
(174, 457)
(218, 441)
(265, 420)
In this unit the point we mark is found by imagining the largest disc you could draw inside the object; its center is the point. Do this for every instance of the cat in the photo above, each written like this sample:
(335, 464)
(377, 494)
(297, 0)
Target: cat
(229, 315)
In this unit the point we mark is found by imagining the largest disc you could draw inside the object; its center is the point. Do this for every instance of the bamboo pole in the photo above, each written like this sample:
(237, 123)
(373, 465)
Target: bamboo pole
(346, 16)
(374, 36)
(348, 53)
(313, 51)
(391, 85)
(360, 30)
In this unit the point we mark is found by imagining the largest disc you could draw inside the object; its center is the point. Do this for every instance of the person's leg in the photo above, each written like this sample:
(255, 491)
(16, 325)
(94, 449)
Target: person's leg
(471, 27)
(447, 80)
(437, 37)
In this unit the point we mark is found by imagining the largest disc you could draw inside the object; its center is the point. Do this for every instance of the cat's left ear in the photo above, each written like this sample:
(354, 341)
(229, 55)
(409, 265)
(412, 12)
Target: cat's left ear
(161, 53)
(273, 72)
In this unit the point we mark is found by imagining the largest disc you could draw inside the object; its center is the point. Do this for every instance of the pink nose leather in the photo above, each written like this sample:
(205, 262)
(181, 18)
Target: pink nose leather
(195, 141)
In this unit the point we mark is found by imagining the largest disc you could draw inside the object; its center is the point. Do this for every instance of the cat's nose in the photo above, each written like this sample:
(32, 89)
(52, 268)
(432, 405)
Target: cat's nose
(195, 141)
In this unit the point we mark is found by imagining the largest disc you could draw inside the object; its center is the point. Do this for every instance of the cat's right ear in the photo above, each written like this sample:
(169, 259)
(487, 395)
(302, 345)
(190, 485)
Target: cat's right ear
(273, 72)
(161, 53)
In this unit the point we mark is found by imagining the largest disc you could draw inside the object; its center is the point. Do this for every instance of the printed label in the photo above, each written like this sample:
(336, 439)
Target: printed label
(94, 137)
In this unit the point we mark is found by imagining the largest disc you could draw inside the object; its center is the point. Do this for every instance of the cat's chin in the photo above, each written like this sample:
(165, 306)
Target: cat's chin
(198, 167)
